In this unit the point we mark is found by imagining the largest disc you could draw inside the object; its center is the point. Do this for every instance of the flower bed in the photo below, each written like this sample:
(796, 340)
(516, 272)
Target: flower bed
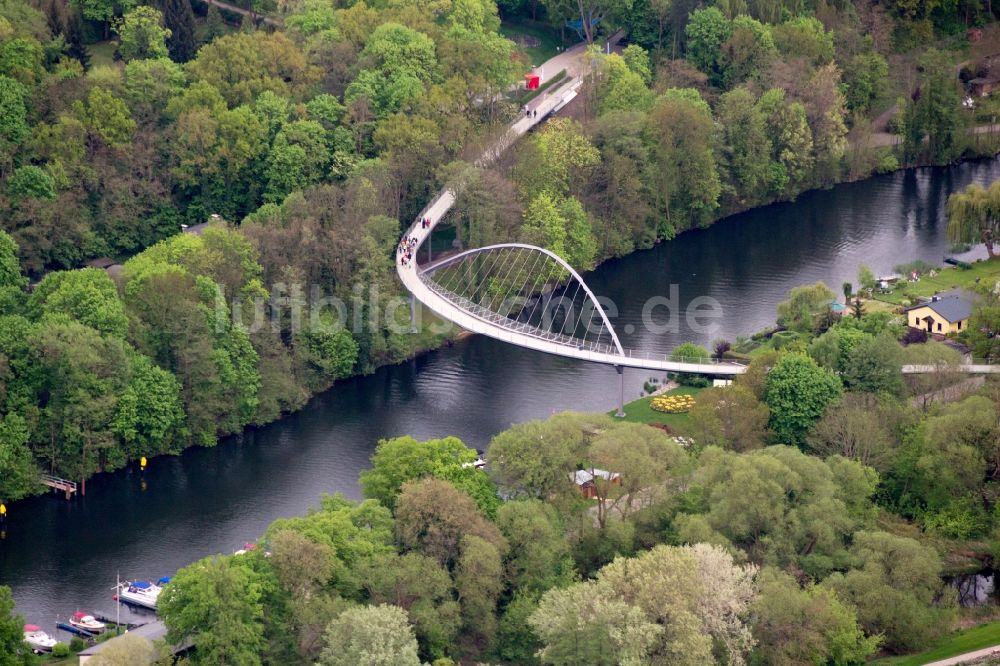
(672, 404)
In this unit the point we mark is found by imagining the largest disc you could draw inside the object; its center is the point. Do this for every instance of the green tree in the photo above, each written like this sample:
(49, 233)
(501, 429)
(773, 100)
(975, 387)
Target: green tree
(87, 295)
(216, 603)
(375, 635)
(798, 391)
(479, 581)
(706, 31)
(897, 590)
(106, 118)
(729, 417)
(22, 59)
(804, 307)
(805, 626)
(13, 117)
(747, 148)
(215, 26)
(178, 17)
(555, 158)
(686, 181)
(936, 114)
(538, 554)
(150, 414)
(579, 624)
(697, 593)
(974, 216)
(81, 376)
(646, 459)
(794, 509)
(867, 79)
(804, 37)
(516, 640)
(791, 142)
(30, 181)
(432, 517)
(403, 459)
(142, 35)
(748, 51)
(537, 458)
(18, 473)
(103, 11)
(875, 366)
(984, 330)
(859, 427)
(13, 650)
(422, 587)
(10, 268)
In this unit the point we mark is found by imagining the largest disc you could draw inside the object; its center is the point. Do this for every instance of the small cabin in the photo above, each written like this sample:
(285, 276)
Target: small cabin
(940, 316)
(585, 478)
(983, 86)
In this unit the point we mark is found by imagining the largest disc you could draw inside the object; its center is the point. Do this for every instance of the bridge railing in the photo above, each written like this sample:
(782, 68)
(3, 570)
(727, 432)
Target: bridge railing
(524, 328)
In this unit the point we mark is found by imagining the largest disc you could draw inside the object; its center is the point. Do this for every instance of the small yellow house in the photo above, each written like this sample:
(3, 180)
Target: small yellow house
(940, 316)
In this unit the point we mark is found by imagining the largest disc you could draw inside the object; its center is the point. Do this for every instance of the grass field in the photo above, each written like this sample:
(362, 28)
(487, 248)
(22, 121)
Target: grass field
(961, 642)
(548, 40)
(639, 411)
(947, 278)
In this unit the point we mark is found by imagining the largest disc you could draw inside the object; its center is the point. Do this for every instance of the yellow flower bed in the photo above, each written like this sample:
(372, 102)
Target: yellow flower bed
(672, 404)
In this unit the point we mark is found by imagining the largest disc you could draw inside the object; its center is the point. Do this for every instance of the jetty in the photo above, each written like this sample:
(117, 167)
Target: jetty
(66, 486)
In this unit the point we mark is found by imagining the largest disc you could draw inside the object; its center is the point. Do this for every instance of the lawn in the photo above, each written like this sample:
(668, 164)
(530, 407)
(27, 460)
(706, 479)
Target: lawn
(639, 411)
(947, 278)
(547, 39)
(961, 642)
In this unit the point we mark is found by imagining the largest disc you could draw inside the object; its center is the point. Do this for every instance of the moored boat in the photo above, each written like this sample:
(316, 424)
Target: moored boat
(139, 593)
(87, 622)
(38, 639)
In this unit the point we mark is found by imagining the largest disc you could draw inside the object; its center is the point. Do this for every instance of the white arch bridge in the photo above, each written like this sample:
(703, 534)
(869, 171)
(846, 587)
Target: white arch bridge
(531, 297)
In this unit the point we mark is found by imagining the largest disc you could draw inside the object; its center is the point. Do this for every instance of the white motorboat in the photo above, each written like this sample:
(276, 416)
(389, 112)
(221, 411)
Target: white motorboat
(38, 639)
(139, 593)
(87, 622)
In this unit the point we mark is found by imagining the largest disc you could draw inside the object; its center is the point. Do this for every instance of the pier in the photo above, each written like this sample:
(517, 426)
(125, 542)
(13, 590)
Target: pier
(54, 482)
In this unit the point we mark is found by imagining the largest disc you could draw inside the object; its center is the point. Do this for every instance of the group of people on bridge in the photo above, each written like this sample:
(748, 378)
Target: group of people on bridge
(405, 249)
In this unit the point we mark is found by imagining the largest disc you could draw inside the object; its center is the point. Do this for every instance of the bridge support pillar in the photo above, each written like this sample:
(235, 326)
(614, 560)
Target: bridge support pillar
(413, 314)
(621, 392)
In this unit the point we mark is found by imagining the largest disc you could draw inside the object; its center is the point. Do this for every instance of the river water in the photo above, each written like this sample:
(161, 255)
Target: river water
(62, 556)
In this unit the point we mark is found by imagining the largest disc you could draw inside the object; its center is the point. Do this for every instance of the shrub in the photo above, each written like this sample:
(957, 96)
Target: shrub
(914, 336)
(720, 348)
(77, 644)
(60, 651)
(672, 404)
(919, 266)
(689, 352)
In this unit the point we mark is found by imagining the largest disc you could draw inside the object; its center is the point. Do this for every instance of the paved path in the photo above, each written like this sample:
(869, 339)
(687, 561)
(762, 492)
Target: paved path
(879, 139)
(967, 657)
(243, 12)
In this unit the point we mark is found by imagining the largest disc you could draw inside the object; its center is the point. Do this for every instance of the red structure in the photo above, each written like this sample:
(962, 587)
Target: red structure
(532, 81)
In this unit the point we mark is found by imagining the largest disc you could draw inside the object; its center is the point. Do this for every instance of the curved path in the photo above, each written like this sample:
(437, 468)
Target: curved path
(447, 308)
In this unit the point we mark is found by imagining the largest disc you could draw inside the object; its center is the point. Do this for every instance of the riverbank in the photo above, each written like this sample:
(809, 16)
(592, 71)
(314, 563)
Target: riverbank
(213, 500)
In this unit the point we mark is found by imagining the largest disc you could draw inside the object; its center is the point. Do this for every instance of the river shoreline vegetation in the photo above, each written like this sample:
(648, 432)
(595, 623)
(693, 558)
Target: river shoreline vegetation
(316, 138)
(811, 509)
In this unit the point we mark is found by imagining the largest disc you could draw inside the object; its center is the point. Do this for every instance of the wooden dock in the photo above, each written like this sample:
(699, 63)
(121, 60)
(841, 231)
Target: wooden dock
(54, 482)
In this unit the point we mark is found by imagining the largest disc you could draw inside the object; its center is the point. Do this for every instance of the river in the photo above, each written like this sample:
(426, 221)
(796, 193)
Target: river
(62, 556)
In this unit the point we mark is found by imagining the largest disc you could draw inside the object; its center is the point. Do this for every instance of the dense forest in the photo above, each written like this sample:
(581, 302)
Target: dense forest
(310, 137)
